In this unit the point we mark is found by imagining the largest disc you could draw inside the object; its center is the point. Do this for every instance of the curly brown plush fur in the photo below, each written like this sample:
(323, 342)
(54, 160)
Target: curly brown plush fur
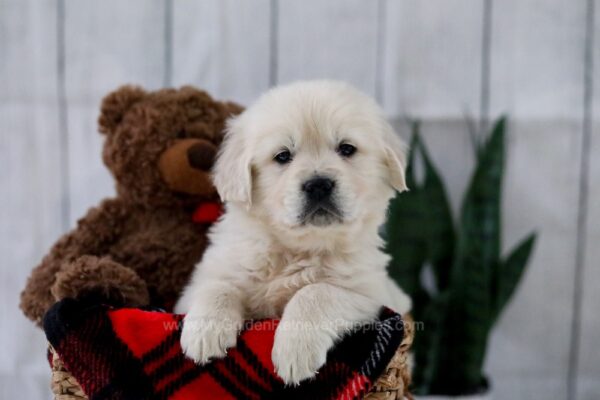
(140, 247)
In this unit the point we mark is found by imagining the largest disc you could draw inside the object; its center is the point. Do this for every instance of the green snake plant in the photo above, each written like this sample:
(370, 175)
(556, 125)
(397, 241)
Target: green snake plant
(473, 282)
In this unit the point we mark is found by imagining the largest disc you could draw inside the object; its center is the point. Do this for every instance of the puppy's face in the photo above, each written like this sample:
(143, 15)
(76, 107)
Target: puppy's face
(311, 156)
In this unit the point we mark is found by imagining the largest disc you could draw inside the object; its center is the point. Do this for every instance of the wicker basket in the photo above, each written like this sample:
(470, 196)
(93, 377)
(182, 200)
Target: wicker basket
(391, 385)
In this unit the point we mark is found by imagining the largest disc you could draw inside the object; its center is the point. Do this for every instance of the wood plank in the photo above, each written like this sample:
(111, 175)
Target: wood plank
(529, 349)
(432, 58)
(537, 79)
(431, 69)
(333, 39)
(537, 59)
(222, 47)
(588, 386)
(27, 385)
(30, 176)
(108, 44)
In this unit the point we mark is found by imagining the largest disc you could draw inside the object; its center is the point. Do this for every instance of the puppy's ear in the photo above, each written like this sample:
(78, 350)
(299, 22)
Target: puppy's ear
(395, 159)
(232, 173)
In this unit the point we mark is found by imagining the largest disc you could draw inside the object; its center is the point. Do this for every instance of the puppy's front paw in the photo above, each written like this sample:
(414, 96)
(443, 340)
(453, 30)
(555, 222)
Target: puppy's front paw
(204, 338)
(298, 353)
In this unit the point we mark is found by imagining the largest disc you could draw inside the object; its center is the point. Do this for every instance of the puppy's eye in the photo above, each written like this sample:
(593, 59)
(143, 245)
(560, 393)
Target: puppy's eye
(181, 134)
(283, 157)
(346, 149)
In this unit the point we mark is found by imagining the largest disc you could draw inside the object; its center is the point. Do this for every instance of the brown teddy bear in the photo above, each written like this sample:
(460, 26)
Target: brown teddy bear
(140, 247)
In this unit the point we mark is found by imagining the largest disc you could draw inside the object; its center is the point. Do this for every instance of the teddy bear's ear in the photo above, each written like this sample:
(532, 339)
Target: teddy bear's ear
(116, 104)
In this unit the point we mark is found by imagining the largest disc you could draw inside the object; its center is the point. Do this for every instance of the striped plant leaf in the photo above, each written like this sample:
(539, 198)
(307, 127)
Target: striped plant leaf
(427, 346)
(420, 226)
(510, 272)
(473, 284)
(440, 228)
(405, 239)
(420, 230)
(477, 254)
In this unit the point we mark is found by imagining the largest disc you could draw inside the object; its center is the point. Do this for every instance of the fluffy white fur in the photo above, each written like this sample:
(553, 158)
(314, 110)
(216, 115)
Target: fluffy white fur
(264, 260)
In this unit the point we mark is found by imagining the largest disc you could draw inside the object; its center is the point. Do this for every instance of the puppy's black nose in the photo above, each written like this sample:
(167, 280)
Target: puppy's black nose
(318, 188)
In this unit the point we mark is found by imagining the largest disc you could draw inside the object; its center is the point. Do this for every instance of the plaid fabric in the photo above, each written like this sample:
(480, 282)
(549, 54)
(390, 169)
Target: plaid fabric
(135, 354)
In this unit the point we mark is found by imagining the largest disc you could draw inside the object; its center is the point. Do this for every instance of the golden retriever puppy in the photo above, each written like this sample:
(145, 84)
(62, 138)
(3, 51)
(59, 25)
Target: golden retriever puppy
(306, 173)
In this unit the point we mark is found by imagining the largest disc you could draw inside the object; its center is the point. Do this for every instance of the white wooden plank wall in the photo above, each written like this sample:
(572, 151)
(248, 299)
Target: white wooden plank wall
(107, 44)
(536, 60)
(434, 74)
(222, 46)
(328, 39)
(588, 366)
(31, 179)
(537, 64)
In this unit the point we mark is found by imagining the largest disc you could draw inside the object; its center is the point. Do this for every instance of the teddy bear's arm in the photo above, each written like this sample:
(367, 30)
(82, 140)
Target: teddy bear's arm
(77, 253)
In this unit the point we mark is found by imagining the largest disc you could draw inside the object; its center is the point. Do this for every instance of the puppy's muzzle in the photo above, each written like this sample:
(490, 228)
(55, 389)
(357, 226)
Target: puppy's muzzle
(320, 207)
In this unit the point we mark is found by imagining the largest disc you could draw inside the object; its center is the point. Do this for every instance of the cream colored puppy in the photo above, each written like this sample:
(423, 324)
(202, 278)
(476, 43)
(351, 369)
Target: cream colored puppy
(306, 173)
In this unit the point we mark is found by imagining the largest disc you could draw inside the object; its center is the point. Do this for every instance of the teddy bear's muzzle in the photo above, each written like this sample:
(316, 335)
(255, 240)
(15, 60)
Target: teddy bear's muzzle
(185, 166)
(201, 156)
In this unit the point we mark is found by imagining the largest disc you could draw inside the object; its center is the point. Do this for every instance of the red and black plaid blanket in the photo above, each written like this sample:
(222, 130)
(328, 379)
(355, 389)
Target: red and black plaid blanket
(132, 353)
